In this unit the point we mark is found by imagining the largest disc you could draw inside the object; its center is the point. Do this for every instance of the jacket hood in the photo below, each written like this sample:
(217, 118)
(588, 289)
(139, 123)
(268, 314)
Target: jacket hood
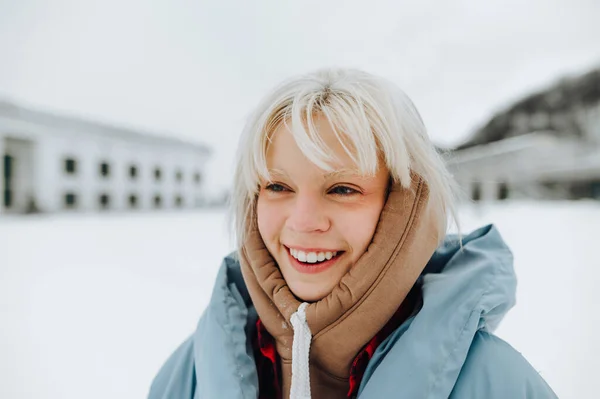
(465, 289)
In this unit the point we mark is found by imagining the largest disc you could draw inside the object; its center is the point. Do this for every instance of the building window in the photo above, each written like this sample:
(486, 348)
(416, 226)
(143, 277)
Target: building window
(197, 177)
(104, 201)
(585, 189)
(595, 189)
(157, 201)
(70, 200)
(8, 199)
(157, 174)
(104, 169)
(476, 192)
(133, 201)
(7, 181)
(503, 191)
(133, 172)
(179, 176)
(70, 166)
(178, 201)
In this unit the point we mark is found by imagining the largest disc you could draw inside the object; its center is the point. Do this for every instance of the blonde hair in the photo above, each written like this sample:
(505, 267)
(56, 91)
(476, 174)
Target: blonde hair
(373, 119)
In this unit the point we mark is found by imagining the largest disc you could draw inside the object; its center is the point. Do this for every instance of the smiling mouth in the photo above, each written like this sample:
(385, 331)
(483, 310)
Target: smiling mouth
(307, 266)
(313, 257)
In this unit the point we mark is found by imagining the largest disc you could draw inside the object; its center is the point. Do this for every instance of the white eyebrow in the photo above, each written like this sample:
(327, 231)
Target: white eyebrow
(342, 172)
(278, 173)
(330, 175)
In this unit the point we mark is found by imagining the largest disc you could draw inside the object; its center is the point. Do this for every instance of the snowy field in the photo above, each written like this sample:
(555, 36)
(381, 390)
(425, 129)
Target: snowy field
(92, 305)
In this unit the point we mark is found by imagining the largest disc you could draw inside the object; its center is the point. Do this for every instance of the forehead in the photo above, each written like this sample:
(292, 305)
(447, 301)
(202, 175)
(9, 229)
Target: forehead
(283, 149)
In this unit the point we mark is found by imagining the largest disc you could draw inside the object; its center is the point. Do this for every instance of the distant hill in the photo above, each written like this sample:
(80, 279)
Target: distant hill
(556, 109)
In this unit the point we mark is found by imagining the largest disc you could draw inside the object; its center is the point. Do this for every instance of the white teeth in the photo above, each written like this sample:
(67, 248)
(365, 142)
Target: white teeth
(312, 257)
(301, 256)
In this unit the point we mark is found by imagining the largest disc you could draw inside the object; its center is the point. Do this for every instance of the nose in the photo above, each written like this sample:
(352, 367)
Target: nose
(308, 214)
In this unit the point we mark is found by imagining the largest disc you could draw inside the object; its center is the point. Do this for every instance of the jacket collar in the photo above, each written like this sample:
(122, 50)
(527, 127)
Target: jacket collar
(464, 290)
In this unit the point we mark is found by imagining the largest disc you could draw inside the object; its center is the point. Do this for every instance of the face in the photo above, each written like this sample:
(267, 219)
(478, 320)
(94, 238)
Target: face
(317, 224)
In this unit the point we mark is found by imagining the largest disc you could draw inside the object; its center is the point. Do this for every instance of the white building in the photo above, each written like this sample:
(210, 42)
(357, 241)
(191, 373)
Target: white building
(54, 163)
(539, 165)
(546, 146)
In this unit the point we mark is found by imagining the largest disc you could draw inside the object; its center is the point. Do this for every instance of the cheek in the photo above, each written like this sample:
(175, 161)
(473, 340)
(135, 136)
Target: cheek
(269, 223)
(359, 228)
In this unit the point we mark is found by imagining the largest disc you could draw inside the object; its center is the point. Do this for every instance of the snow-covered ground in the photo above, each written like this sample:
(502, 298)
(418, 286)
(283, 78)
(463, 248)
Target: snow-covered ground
(92, 305)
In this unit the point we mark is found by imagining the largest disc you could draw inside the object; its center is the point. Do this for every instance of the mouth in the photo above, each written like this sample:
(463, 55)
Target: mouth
(314, 261)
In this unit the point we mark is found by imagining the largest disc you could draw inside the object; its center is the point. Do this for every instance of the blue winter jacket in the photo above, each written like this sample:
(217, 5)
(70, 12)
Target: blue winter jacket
(446, 350)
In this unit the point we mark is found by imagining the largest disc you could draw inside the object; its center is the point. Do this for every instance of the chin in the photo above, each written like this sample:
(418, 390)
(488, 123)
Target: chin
(309, 294)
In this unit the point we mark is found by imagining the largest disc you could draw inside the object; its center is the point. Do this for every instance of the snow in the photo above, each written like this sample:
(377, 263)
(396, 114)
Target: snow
(92, 305)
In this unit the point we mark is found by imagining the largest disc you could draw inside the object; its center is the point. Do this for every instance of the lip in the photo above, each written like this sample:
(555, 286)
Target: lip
(311, 268)
(307, 250)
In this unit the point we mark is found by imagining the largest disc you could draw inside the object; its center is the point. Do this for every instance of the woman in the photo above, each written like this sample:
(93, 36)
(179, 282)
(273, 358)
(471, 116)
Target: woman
(345, 283)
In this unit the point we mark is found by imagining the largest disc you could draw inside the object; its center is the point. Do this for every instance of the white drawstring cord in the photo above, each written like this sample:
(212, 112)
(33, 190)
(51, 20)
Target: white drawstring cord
(300, 352)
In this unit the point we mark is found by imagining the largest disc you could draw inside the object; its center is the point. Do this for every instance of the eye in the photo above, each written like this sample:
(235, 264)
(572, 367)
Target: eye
(343, 191)
(274, 187)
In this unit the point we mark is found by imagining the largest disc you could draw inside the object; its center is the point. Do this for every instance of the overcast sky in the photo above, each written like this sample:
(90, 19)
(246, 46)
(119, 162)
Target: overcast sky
(194, 69)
